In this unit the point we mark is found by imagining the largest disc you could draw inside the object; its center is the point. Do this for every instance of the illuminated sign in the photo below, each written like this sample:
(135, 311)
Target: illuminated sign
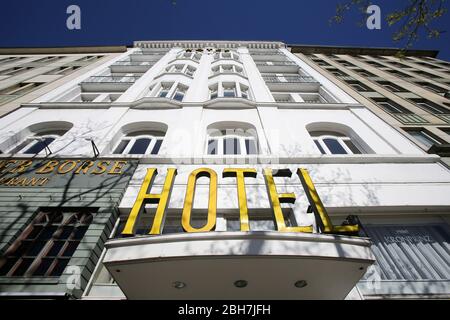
(275, 199)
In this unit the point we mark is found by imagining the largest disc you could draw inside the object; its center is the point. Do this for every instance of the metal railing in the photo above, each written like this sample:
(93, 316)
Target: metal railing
(289, 79)
(110, 79)
(277, 63)
(8, 97)
(132, 63)
(408, 118)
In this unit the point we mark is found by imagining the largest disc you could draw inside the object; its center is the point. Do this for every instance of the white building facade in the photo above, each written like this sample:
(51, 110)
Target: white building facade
(238, 194)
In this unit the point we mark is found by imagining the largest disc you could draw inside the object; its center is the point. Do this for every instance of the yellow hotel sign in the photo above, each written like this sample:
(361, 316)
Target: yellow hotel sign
(275, 199)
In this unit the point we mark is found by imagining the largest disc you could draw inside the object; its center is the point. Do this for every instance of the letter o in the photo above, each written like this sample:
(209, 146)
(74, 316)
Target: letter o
(189, 200)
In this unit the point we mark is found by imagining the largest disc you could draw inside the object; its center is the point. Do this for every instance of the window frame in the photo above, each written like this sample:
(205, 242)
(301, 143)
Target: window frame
(340, 139)
(132, 140)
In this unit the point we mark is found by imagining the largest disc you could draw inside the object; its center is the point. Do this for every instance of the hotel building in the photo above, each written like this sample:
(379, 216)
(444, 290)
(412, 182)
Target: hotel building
(220, 170)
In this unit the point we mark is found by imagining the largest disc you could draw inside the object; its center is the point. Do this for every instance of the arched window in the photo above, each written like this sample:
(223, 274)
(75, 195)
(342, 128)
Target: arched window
(330, 142)
(140, 142)
(38, 137)
(231, 141)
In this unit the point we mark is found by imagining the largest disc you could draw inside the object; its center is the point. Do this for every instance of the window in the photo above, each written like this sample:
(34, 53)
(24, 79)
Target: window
(391, 106)
(175, 91)
(446, 130)
(229, 90)
(38, 142)
(62, 70)
(226, 55)
(424, 136)
(410, 252)
(181, 68)
(164, 91)
(189, 54)
(179, 93)
(21, 88)
(431, 107)
(140, 142)
(47, 244)
(359, 86)
(431, 87)
(232, 142)
(227, 68)
(390, 86)
(337, 72)
(334, 143)
(15, 71)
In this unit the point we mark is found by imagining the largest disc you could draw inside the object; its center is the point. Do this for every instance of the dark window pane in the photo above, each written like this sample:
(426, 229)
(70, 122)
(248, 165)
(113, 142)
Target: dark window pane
(163, 93)
(59, 268)
(64, 232)
(352, 147)
(70, 249)
(319, 146)
(212, 146)
(23, 247)
(231, 146)
(39, 146)
(122, 145)
(229, 93)
(250, 146)
(79, 233)
(140, 146)
(334, 146)
(34, 232)
(157, 146)
(178, 96)
(43, 267)
(36, 248)
(7, 265)
(56, 248)
(23, 267)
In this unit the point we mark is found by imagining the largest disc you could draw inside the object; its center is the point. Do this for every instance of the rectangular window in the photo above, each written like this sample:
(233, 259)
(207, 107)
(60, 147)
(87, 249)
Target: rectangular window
(431, 107)
(359, 86)
(391, 106)
(231, 146)
(390, 86)
(229, 91)
(424, 136)
(410, 252)
(45, 247)
(212, 146)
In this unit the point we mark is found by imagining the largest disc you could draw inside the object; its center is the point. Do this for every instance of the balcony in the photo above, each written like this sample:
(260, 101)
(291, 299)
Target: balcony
(268, 56)
(209, 265)
(144, 56)
(8, 97)
(277, 66)
(108, 83)
(409, 118)
(292, 83)
(131, 66)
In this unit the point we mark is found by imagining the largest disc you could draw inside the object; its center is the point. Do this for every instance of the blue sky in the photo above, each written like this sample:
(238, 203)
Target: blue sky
(37, 23)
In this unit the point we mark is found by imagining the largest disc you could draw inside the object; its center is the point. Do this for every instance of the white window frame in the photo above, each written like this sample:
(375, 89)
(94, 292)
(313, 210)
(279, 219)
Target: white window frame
(236, 86)
(172, 89)
(340, 140)
(132, 141)
(32, 140)
(231, 134)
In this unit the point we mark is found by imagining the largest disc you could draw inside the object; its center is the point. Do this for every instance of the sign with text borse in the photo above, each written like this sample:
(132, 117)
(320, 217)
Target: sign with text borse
(66, 173)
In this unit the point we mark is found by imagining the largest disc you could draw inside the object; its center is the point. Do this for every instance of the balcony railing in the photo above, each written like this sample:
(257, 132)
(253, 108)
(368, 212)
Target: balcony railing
(276, 63)
(409, 118)
(110, 79)
(8, 97)
(289, 79)
(132, 63)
